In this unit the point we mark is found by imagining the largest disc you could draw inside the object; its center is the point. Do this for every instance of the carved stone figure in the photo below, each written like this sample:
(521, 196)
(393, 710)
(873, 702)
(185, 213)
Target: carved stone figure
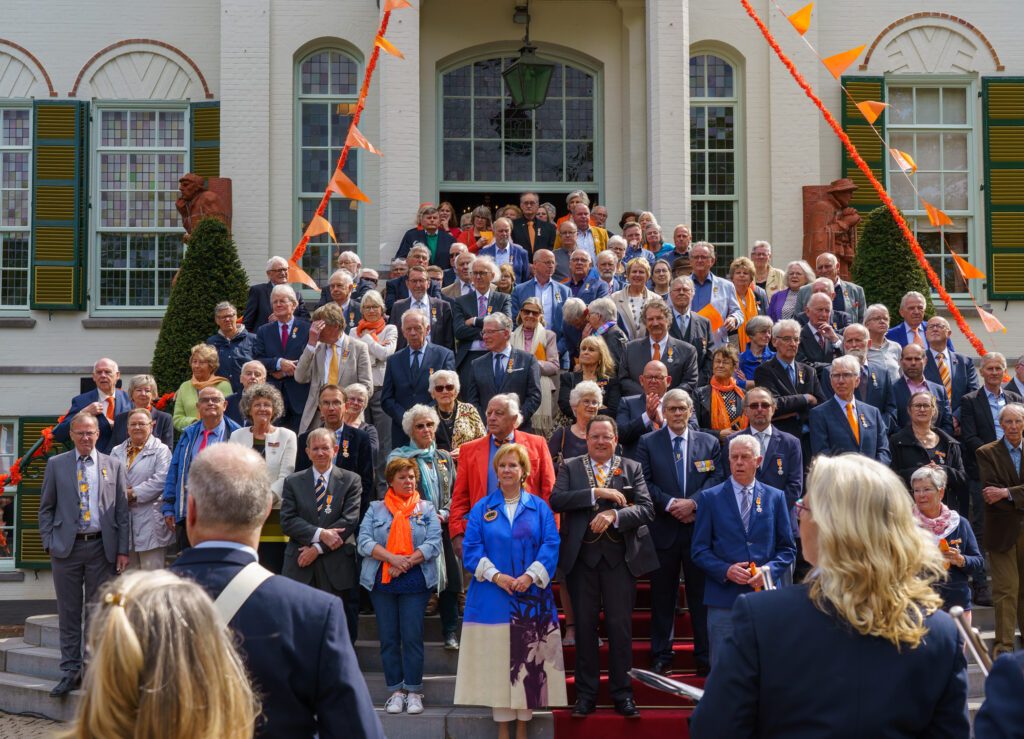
(197, 202)
(830, 224)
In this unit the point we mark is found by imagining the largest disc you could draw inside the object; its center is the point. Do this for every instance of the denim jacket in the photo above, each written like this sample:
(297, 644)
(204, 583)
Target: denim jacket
(426, 536)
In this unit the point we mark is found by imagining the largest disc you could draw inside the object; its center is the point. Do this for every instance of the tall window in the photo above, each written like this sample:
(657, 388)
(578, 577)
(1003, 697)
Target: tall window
(935, 125)
(15, 205)
(328, 88)
(141, 153)
(486, 140)
(714, 204)
(8, 445)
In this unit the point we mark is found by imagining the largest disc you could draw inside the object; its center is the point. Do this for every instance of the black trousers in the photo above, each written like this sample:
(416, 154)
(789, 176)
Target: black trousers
(665, 596)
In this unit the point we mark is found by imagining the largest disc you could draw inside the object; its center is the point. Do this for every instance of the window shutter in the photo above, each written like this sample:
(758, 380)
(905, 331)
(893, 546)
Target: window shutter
(60, 234)
(865, 199)
(205, 149)
(28, 544)
(1003, 107)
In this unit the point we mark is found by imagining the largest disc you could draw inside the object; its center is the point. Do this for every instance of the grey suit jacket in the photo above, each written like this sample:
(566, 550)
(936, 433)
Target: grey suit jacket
(353, 366)
(853, 297)
(58, 506)
(299, 521)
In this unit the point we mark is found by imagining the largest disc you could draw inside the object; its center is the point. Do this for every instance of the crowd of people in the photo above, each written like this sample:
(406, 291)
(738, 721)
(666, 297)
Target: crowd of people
(527, 402)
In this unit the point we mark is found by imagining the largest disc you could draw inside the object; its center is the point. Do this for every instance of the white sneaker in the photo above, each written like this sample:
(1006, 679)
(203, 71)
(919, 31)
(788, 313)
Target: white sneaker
(396, 703)
(415, 704)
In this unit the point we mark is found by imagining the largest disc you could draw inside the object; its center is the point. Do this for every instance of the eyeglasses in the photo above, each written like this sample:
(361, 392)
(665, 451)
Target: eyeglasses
(525, 312)
(444, 388)
(921, 406)
(759, 406)
(486, 273)
(279, 271)
(843, 375)
(801, 509)
(424, 425)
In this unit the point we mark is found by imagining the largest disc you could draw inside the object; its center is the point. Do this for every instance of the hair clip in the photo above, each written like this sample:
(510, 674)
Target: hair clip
(114, 599)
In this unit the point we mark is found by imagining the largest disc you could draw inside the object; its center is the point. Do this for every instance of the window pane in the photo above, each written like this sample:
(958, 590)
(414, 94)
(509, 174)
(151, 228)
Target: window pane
(578, 83)
(457, 159)
(487, 118)
(14, 268)
(114, 128)
(315, 74)
(550, 165)
(518, 160)
(487, 160)
(901, 105)
(579, 162)
(698, 127)
(927, 106)
(929, 185)
(954, 105)
(16, 130)
(901, 190)
(719, 78)
(698, 172)
(928, 151)
(720, 128)
(518, 123)
(721, 173)
(314, 170)
(549, 119)
(954, 151)
(456, 118)
(579, 119)
(314, 124)
(143, 128)
(457, 81)
(954, 186)
(172, 128)
(697, 76)
(487, 77)
(344, 74)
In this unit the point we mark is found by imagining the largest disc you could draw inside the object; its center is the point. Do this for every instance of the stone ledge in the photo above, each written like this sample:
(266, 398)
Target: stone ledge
(15, 576)
(122, 323)
(17, 323)
(83, 369)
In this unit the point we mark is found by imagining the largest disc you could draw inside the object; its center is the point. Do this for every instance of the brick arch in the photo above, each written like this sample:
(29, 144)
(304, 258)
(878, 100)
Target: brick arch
(137, 41)
(30, 55)
(939, 16)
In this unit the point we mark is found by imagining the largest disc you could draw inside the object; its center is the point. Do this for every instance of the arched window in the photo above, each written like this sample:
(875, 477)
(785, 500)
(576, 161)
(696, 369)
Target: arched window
(328, 88)
(714, 138)
(485, 141)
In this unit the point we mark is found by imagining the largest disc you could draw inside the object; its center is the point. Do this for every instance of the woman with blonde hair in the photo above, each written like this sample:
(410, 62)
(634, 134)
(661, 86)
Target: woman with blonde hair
(630, 300)
(862, 648)
(163, 665)
(752, 299)
(204, 362)
(595, 365)
(531, 336)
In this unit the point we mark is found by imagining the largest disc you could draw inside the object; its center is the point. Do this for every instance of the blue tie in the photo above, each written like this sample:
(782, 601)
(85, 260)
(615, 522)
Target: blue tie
(792, 374)
(499, 370)
(745, 509)
(679, 452)
(415, 369)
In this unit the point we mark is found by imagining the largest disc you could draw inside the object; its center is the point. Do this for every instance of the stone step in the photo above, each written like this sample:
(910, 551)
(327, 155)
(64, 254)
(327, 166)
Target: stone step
(458, 722)
(436, 659)
(18, 656)
(29, 694)
(42, 631)
(438, 690)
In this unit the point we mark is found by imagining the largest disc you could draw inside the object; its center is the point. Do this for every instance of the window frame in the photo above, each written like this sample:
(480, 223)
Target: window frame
(23, 104)
(7, 564)
(95, 206)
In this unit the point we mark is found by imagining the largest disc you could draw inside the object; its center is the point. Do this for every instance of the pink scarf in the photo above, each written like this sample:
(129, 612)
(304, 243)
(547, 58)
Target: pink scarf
(939, 525)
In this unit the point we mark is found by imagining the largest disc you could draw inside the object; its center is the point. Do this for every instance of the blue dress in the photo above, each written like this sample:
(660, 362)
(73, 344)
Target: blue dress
(511, 650)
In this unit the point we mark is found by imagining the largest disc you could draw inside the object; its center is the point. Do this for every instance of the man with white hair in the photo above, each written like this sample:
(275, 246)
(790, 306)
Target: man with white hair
(819, 339)
(846, 424)
(736, 554)
(912, 330)
(104, 402)
(503, 251)
(608, 264)
(258, 308)
(953, 370)
(471, 309)
(279, 346)
(848, 296)
(875, 387)
(396, 288)
(839, 319)
(503, 369)
(430, 234)
(340, 289)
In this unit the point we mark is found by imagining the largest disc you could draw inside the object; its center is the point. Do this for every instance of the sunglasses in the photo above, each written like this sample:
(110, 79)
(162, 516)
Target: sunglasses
(444, 388)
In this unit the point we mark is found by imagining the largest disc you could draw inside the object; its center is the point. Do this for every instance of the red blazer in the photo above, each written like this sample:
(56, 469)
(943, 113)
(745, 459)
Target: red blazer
(471, 477)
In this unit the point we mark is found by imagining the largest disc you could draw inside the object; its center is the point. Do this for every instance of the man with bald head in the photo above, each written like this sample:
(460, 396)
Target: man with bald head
(840, 319)
(551, 294)
(104, 402)
(848, 297)
(503, 251)
(640, 414)
(954, 371)
(912, 380)
(875, 387)
(529, 231)
(258, 307)
(819, 340)
(590, 238)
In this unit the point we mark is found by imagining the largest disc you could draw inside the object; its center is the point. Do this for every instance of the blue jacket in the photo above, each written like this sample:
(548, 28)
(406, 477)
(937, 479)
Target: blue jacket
(401, 391)
(519, 258)
(233, 353)
(630, 418)
(376, 525)
(963, 377)
(1002, 713)
(719, 540)
(176, 486)
(875, 389)
(267, 350)
(62, 431)
(831, 433)
(590, 291)
(782, 467)
(898, 334)
(561, 293)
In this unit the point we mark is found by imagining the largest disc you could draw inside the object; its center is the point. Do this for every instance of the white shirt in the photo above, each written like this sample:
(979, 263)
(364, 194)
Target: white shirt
(220, 544)
(737, 490)
(661, 344)
(478, 344)
(585, 241)
(546, 294)
(422, 304)
(767, 438)
(503, 256)
(606, 469)
(945, 358)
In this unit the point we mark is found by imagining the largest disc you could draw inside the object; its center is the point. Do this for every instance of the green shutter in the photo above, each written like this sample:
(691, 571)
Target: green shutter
(28, 545)
(205, 149)
(865, 199)
(60, 232)
(1003, 106)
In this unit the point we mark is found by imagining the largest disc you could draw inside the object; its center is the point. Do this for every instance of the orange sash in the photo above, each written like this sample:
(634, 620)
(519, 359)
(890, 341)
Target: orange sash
(400, 535)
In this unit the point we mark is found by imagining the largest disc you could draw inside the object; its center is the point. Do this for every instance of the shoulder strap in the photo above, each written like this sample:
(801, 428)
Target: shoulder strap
(237, 592)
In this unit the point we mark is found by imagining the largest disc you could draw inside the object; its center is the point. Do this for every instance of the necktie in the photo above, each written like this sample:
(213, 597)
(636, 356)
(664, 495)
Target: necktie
(206, 437)
(656, 354)
(332, 369)
(853, 422)
(745, 509)
(762, 443)
(416, 363)
(792, 374)
(481, 306)
(533, 234)
(499, 370)
(821, 340)
(684, 323)
(917, 337)
(947, 381)
(284, 336)
(679, 452)
(600, 475)
(320, 494)
(110, 408)
(84, 515)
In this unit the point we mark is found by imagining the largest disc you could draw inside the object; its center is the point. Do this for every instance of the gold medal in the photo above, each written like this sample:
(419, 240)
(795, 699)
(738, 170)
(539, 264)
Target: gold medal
(344, 448)
(490, 515)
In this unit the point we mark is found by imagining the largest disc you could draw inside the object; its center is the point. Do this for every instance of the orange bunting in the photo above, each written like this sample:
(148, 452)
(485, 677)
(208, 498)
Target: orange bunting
(871, 109)
(390, 5)
(387, 46)
(342, 185)
(968, 270)
(992, 323)
(904, 160)
(320, 225)
(801, 19)
(837, 63)
(935, 216)
(355, 138)
(297, 274)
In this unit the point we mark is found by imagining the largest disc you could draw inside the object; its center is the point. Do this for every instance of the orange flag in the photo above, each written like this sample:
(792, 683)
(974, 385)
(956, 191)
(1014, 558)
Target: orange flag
(935, 216)
(387, 46)
(968, 270)
(342, 185)
(711, 313)
(837, 63)
(390, 5)
(904, 160)
(355, 138)
(871, 109)
(801, 19)
(992, 323)
(297, 274)
(320, 225)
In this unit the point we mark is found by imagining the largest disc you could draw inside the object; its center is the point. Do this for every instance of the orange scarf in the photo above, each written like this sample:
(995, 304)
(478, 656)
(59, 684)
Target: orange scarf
(719, 414)
(200, 386)
(400, 535)
(376, 327)
(749, 304)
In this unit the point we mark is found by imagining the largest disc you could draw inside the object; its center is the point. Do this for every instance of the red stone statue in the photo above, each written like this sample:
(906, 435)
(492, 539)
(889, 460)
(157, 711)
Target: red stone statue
(830, 224)
(197, 202)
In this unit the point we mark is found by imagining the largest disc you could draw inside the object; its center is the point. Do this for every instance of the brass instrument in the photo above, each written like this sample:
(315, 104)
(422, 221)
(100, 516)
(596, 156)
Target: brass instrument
(975, 644)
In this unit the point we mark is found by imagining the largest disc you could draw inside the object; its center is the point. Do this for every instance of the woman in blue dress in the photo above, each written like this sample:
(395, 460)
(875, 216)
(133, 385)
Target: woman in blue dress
(511, 656)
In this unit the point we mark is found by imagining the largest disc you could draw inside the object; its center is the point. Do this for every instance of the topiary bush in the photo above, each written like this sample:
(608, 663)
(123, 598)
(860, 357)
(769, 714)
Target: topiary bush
(211, 272)
(885, 266)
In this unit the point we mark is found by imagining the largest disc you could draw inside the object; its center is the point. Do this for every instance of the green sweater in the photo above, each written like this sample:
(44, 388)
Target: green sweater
(186, 403)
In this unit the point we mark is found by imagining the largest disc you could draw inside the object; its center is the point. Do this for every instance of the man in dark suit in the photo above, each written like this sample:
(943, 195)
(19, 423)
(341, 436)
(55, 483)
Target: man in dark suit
(845, 425)
(469, 312)
(574, 320)
(1016, 384)
(258, 306)
(605, 547)
(912, 361)
(451, 273)
(579, 281)
(551, 294)
(430, 234)
(687, 326)
(463, 282)
(83, 523)
(339, 290)
(504, 370)
(819, 341)
(839, 320)
(675, 490)
(678, 357)
(320, 509)
(292, 637)
(503, 250)
(1002, 713)
(279, 346)
(396, 288)
(407, 373)
(641, 414)
(529, 232)
(564, 248)
(437, 310)
(104, 402)
(794, 384)
(875, 387)
(954, 371)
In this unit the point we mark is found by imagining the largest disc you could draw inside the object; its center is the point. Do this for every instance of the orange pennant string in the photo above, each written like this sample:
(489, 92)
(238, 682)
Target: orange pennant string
(871, 109)
(356, 138)
(904, 160)
(297, 274)
(968, 270)
(837, 63)
(390, 5)
(320, 225)
(935, 216)
(342, 185)
(992, 324)
(801, 19)
(387, 46)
